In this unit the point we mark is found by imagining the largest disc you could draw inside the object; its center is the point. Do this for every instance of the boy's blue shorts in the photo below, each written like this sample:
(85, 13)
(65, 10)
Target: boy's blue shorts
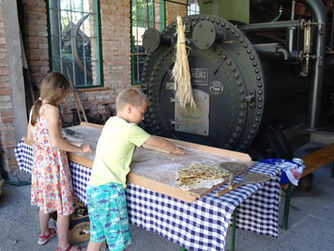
(108, 215)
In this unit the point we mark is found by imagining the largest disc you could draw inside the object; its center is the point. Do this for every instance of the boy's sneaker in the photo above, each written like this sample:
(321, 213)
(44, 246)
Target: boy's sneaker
(43, 239)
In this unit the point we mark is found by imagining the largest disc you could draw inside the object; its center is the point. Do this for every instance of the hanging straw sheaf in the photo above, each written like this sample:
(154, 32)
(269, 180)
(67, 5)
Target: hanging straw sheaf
(181, 72)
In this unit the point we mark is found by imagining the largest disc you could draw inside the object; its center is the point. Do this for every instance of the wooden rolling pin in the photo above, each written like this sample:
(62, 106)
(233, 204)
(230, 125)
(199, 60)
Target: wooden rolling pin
(148, 147)
(248, 178)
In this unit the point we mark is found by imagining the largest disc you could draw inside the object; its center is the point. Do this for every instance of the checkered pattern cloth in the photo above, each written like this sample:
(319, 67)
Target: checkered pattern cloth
(24, 156)
(201, 225)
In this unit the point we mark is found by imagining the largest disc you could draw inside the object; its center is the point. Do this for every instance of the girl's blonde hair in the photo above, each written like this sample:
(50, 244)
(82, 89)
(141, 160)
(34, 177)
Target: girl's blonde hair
(53, 88)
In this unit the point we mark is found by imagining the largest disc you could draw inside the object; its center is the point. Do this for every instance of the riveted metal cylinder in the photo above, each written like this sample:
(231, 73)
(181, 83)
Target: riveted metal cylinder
(223, 74)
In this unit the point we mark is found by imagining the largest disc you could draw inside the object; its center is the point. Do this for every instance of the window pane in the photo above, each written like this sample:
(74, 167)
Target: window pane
(193, 7)
(75, 5)
(144, 14)
(75, 41)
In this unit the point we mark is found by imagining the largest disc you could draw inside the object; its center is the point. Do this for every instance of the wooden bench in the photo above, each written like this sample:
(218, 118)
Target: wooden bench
(312, 162)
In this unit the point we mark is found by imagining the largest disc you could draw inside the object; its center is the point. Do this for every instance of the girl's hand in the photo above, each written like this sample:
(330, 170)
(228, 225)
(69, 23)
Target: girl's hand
(86, 148)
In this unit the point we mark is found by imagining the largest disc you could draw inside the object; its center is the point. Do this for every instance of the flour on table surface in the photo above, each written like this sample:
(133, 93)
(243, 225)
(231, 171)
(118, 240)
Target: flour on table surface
(79, 135)
(163, 167)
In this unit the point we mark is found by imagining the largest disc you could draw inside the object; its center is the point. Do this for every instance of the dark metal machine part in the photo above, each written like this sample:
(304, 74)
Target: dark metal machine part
(226, 67)
(251, 79)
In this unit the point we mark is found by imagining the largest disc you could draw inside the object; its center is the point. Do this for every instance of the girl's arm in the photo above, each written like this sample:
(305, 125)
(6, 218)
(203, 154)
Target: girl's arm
(29, 132)
(164, 145)
(52, 117)
(29, 128)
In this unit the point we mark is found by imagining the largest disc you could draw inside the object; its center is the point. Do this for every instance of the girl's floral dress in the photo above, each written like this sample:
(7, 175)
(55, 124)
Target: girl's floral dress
(51, 183)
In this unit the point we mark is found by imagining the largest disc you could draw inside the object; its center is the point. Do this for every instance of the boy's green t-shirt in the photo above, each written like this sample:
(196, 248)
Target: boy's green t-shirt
(114, 151)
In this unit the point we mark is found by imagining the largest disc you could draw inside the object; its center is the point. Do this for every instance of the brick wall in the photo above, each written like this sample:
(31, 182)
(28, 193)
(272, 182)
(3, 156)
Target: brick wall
(36, 39)
(7, 135)
(99, 102)
(115, 30)
(173, 9)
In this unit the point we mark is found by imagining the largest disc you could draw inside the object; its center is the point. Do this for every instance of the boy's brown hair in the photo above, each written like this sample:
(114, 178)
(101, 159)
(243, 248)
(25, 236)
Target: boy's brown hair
(130, 96)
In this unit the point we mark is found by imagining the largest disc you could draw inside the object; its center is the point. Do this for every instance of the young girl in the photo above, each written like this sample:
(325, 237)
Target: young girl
(51, 183)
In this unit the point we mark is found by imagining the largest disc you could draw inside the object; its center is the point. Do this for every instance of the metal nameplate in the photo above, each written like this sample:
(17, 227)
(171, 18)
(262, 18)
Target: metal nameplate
(193, 120)
(199, 76)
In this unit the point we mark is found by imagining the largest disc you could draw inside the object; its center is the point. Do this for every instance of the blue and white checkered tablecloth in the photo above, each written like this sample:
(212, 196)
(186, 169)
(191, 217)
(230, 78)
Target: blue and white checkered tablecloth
(201, 225)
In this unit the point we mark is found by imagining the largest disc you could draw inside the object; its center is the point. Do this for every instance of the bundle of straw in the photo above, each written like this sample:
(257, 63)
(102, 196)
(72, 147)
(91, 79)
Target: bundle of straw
(181, 72)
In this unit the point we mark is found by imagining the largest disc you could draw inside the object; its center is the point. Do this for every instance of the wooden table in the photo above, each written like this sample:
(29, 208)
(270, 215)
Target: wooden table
(198, 225)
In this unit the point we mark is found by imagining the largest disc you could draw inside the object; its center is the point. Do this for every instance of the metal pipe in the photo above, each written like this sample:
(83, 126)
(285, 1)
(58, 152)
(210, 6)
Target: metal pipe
(307, 49)
(268, 49)
(291, 29)
(319, 12)
(285, 53)
(332, 34)
(85, 59)
(274, 50)
(153, 13)
(270, 26)
(148, 15)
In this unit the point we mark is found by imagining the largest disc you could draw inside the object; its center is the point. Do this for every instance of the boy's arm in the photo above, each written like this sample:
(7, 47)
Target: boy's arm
(163, 145)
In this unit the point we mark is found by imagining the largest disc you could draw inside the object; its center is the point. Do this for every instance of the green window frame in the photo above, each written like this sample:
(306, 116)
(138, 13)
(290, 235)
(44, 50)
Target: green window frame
(143, 14)
(75, 41)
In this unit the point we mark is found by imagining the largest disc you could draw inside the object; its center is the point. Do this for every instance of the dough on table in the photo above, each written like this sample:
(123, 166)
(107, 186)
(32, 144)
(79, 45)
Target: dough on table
(200, 176)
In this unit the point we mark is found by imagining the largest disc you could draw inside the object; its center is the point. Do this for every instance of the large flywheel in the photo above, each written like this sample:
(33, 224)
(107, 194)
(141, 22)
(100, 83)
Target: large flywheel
(227, 81)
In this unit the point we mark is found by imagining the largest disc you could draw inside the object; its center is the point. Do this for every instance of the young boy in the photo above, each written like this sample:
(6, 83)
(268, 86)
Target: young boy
(105, 192)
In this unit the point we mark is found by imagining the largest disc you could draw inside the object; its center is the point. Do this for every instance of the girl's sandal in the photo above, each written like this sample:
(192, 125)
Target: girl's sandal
(43, 239)
(70, 248)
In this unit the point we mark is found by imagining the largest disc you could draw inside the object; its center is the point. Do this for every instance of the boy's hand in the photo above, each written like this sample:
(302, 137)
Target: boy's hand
(163, 145)
(86, 148)
(179, 151)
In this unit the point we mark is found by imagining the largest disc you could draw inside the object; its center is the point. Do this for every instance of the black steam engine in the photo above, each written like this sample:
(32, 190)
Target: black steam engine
(250, 79)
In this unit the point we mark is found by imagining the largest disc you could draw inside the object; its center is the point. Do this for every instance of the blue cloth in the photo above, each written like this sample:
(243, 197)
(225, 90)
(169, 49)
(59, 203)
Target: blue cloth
(277, 162)
(108, 215)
